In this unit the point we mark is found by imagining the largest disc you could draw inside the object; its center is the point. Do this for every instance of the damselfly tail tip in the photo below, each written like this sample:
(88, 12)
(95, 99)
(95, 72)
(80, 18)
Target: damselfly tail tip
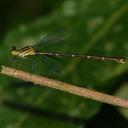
(121, 60)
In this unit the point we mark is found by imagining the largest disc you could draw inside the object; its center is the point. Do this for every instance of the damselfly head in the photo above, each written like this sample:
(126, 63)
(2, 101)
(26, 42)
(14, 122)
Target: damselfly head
(14, 51)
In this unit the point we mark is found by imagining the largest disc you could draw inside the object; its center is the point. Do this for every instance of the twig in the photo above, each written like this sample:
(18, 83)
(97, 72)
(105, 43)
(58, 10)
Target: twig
(43, 81)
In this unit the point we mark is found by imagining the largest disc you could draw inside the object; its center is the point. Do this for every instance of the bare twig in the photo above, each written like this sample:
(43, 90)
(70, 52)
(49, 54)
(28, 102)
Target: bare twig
(86, 93)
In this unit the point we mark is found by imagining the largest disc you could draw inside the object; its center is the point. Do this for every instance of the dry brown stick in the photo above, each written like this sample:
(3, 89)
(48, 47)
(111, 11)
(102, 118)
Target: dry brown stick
(83, 92)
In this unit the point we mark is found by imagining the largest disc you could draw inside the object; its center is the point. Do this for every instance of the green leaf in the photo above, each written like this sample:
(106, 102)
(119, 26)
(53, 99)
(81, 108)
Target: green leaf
(94, 28)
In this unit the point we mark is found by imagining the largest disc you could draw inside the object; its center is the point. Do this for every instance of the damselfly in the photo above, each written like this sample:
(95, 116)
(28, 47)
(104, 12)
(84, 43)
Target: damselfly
(32, 51)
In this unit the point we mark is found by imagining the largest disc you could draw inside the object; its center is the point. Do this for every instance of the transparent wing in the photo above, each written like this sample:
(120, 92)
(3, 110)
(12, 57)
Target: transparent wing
(46, 64)
(52, 64)
(55, 37)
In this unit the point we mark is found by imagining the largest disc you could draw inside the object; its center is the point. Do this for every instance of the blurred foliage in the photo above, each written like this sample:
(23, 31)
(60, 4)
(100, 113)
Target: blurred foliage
(123, 93)
(94, 28)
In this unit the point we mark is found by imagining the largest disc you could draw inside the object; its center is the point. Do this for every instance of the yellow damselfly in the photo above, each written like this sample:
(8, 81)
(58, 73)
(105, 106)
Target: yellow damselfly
(32, 51)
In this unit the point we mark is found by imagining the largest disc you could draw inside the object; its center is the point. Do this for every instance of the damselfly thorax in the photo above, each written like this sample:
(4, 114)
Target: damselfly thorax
(24, 52)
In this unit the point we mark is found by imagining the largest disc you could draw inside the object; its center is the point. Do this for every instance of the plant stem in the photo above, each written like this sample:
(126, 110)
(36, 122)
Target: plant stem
(80, 91)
